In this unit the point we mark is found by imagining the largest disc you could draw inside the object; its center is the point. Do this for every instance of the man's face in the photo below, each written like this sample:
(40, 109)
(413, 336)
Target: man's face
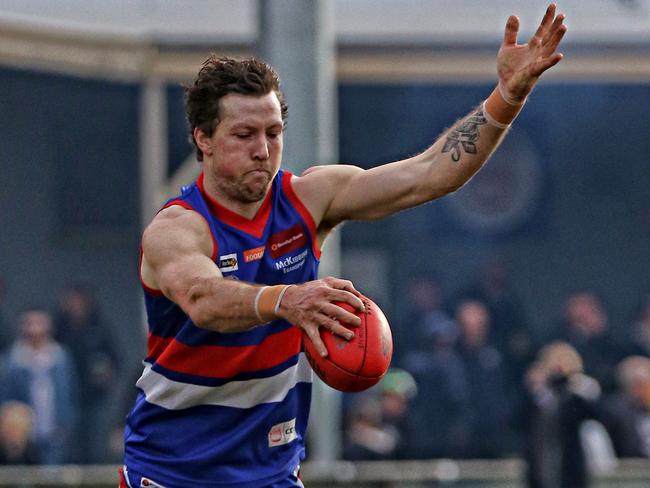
(585, 312)
(35, 326)
(473, 320)
(246, 147)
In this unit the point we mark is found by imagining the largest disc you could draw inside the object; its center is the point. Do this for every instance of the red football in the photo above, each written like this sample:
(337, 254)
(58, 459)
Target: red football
(360, 363)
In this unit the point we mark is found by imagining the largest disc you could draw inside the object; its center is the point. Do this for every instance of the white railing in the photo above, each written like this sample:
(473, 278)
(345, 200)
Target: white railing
(502, 473)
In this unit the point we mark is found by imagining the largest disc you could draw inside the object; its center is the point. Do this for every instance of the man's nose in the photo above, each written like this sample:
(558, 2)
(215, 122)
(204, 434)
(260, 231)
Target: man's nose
(261, 148)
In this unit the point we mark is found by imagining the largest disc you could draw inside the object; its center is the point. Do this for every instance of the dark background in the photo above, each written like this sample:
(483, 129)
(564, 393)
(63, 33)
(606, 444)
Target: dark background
(575, 165)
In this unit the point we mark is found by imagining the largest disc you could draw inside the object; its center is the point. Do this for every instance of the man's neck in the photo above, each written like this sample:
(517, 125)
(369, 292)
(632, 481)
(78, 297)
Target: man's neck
(246, 210)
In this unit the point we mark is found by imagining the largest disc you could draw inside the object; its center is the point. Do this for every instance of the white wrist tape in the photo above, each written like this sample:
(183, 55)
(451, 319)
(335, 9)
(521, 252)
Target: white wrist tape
(257, 303)
(491, 119)
(277, 303)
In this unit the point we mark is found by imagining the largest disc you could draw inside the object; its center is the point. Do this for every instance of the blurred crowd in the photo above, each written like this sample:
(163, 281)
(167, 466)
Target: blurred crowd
(59, 374)
(471, 379)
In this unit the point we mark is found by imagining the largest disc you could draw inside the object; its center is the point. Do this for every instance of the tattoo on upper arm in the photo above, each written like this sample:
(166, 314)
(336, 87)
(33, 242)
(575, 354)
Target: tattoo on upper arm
(464, 136)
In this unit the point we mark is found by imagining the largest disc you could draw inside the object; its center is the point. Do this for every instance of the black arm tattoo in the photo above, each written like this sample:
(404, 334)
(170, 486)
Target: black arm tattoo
(464, 136)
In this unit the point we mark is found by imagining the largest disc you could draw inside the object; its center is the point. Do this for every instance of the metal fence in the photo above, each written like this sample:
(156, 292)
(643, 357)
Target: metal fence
(629, 473)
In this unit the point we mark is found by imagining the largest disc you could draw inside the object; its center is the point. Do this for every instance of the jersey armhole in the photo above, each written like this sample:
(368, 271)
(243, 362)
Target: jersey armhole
(185, 205)
(302, 210)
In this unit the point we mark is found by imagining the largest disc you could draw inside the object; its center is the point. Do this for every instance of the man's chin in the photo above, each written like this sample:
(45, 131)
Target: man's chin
(254, 198)
(255, 194)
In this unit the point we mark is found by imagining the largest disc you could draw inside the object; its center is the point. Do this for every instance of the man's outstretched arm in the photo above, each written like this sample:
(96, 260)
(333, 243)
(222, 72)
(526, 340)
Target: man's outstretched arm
(336, 193)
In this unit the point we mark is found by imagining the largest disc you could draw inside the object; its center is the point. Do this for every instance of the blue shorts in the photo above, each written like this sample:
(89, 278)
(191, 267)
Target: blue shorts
(129, 480)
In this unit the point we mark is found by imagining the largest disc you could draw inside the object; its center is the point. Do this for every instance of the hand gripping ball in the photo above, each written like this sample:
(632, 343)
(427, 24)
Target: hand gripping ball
(358, 364)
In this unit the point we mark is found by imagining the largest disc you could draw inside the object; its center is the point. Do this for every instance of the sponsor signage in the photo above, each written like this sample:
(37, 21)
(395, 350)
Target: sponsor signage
(228, 262)
(283, 433)
(291, 263)
(254, 254)
(286, 241)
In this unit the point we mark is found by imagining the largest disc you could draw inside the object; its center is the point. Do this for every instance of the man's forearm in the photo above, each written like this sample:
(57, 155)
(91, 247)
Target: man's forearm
(464, 148)
(221, 305)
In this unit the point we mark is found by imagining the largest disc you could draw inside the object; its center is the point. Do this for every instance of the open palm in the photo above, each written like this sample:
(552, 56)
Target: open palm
(520, 65)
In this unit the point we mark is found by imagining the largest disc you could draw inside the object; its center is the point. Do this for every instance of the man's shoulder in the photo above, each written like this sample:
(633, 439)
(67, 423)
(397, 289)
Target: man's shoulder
(176, 216)
(326, 173)
(317, 186)
(176, 225)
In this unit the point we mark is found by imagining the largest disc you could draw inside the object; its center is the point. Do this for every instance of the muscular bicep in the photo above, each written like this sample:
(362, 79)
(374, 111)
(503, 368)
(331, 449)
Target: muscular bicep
(352, 193)
(377, 192)
(177, 249)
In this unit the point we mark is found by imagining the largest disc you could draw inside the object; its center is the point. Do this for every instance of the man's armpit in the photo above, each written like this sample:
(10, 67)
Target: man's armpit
(147, 276)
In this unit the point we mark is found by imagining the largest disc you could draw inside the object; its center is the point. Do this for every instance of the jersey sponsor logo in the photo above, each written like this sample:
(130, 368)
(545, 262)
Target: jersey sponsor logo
(228, 262)
(291, 263)
(254, 254)
(283, 433)
(286, 241)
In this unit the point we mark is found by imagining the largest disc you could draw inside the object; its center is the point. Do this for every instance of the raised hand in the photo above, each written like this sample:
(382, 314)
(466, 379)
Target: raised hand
(520, 65)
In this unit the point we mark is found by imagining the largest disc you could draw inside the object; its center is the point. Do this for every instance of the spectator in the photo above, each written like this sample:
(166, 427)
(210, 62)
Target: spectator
(397, 391)
(16, 425)
(39, 372)
(424, 314)
(441, 410)
(80, 328)
(586, 327)
(509, 330)
(641, 328)
(365, 437)
(379, 425)
(627, 415)
(489, 400)
(560, 398)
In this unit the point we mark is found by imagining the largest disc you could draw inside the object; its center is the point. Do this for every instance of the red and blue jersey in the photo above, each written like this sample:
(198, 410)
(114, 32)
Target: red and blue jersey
(228, 409)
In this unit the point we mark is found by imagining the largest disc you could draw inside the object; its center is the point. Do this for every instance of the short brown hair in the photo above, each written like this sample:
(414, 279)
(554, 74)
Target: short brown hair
(220, 76)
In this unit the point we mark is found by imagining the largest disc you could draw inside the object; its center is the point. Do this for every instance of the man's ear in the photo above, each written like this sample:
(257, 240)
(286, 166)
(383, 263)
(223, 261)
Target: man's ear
(203, 141)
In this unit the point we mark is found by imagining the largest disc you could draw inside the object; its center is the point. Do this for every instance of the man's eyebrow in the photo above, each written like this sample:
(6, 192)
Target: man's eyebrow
(249, 125)
(242, 125)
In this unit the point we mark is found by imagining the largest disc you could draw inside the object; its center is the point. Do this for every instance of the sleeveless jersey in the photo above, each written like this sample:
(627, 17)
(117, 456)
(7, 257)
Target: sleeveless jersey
(228, 409)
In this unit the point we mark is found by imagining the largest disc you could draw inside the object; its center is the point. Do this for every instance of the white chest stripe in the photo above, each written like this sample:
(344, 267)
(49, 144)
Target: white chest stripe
(174, 395)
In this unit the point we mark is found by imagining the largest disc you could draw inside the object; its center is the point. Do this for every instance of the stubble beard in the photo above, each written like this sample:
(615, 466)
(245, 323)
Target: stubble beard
(237, 190)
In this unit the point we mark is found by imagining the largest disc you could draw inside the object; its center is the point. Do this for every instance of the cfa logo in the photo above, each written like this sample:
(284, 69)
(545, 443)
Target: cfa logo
(283, 433)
